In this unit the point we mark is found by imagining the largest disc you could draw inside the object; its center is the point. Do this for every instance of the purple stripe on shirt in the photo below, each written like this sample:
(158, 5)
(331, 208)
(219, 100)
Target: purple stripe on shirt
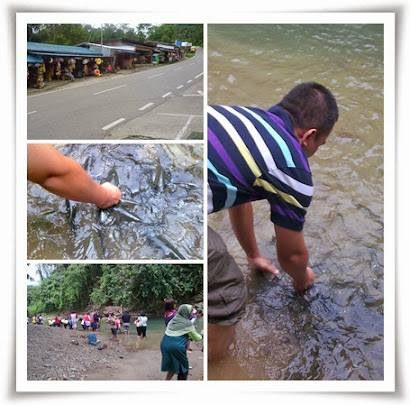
(215, 142)
(286, 212)
(296, 144)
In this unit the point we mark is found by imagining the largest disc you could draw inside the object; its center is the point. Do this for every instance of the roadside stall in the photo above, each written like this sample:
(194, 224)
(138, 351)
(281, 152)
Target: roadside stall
(60, 62)
(35, 72)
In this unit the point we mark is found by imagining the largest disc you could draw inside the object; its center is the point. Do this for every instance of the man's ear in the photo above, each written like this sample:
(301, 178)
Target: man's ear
(307, 135)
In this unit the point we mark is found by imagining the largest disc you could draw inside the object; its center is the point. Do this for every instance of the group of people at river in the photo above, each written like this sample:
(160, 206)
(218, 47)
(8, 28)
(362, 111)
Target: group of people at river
(181, 330)
(92, 322)
(122, 323)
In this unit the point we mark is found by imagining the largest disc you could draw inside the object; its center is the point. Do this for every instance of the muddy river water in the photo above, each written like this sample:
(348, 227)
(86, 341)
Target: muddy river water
(160, 215)
(334, 331)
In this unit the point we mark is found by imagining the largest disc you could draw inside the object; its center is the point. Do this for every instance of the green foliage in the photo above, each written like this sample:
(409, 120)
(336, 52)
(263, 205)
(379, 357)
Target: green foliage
(73, 34)
(78, 286)
(60, 34)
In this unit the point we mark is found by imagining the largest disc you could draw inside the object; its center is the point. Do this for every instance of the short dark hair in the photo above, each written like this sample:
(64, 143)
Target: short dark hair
(311, 105)
(169, 304)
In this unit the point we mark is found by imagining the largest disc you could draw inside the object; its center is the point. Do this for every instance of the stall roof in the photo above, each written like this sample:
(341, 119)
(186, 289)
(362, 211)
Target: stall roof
(136, 45)
(34, 59)
(37, 48)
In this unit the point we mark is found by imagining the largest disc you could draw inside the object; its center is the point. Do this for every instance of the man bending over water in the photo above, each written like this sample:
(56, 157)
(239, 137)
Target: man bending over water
(254, 154)
(66, 178)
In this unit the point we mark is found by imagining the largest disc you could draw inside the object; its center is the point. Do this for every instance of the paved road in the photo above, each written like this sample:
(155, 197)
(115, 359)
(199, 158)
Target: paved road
(164, 102)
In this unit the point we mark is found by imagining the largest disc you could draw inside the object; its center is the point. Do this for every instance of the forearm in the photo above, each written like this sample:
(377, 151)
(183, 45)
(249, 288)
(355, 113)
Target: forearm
(66, 178)
(295, 265)
(293, 257)
(75, 184)
(195, 336)
(241, 217)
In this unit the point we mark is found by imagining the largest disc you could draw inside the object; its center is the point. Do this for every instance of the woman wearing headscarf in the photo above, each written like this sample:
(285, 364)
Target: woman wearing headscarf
(173, 344)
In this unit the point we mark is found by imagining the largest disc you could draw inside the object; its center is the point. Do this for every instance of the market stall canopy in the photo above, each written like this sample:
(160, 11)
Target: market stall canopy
(165, 47)
(37, 48)
(34, 59)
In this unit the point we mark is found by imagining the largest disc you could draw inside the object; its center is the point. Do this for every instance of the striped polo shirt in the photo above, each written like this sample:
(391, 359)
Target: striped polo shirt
(253, 154)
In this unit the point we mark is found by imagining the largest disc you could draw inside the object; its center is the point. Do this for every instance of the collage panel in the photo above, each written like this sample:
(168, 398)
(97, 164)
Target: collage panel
(114, 322)
(115, 203)
(145, 201)
(114, 81)
(299, 300)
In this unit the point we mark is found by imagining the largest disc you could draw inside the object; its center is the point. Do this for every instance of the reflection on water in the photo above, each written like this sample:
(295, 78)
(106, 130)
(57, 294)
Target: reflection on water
(160, 215)
(155, 332)
(335, 330)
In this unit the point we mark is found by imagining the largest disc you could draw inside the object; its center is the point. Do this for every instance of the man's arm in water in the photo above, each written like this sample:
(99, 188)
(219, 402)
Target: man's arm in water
(66, 178)
(241, 217)
(291, 249)
(293, 257)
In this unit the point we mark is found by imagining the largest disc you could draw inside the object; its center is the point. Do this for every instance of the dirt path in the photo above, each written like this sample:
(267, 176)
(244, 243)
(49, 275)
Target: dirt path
(146, 365)
(62, 354)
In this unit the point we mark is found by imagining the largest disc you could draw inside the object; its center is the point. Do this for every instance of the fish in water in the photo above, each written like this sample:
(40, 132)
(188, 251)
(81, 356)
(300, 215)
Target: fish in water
(162, 243)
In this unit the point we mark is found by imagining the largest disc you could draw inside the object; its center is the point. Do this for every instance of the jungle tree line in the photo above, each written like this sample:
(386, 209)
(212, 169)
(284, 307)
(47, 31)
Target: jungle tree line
(74, 34)
(134, 286)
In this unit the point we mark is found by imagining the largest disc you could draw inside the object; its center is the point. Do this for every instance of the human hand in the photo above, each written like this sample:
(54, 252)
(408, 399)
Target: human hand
(112, 195)
(262, 263)
(301, 285)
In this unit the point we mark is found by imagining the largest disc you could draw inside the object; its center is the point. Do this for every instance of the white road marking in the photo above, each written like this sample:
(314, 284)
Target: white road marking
(189, 81)
(180, 87)
(191, 95)
(181, 115)
(146, 106)
(196, 77)
(113, 88)
(113, 124)
(179, 68)
(166, 94)
(32, 112)
(200, 92)
(151, 77)
(182, 131)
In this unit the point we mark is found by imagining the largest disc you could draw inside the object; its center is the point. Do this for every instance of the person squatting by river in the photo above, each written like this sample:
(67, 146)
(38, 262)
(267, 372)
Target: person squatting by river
(173, 344)
(66, 178)
(254, 154)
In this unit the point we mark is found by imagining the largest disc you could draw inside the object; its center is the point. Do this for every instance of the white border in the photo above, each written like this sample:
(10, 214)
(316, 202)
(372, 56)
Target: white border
(388, 383)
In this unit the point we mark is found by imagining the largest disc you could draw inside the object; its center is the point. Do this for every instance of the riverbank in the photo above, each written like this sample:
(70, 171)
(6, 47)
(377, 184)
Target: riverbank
(62, 354)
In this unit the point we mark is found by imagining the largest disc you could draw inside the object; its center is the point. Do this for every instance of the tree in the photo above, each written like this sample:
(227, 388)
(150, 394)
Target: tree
(78, 286)
(73, 34)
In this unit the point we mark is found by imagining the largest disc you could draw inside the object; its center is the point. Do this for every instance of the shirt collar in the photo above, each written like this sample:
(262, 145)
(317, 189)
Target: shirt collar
(284, 116)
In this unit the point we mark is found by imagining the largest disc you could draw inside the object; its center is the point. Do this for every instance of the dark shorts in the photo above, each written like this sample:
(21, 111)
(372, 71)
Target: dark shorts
(114, 331)
(227, 290)
(142, 331)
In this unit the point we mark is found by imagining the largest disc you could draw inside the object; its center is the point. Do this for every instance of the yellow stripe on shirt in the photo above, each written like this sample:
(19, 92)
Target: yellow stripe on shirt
(286, 197)
(240, 144)
(246, 154)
